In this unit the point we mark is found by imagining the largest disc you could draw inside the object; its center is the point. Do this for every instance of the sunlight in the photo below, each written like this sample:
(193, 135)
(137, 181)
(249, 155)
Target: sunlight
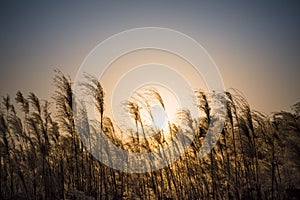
(159, 116)
(155, 113)
(147, 67)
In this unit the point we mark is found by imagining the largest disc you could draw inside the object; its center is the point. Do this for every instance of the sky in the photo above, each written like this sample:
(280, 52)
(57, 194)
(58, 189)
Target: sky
(255, 44)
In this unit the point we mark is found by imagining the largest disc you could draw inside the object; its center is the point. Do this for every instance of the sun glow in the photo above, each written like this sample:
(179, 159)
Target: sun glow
(135, 75)
(157, 104)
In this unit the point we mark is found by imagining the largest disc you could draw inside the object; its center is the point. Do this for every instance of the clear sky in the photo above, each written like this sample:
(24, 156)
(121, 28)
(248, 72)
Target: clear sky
(256, 45)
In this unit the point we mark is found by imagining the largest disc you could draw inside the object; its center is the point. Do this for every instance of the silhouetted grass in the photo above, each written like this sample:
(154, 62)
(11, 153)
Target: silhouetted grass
(42, 157)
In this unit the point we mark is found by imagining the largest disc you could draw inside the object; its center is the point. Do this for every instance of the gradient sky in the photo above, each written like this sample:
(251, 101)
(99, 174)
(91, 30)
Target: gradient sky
(256, 45)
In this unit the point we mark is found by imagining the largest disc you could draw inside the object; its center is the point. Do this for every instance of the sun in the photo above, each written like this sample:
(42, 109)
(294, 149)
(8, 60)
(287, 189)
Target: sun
(160, 118)
(157, 106)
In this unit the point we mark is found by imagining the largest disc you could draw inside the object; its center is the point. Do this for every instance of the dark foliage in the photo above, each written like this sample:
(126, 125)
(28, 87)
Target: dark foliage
(42, 157)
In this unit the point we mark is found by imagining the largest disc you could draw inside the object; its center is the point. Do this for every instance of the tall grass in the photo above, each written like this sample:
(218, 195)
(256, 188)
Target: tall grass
(42, 157)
